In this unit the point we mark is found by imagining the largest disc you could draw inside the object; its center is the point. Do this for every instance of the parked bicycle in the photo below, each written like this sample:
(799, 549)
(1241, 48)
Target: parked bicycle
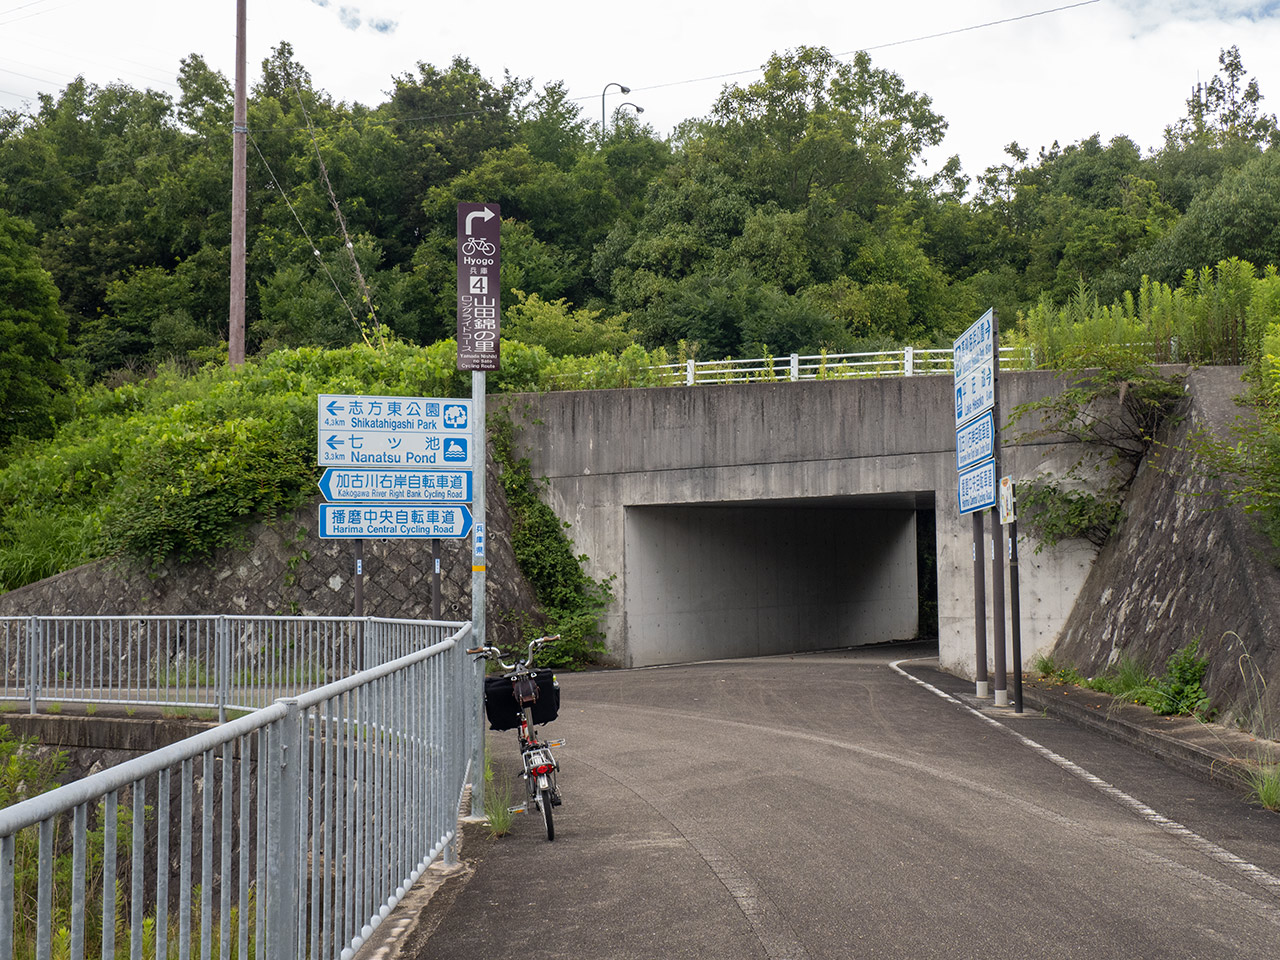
(518, 700)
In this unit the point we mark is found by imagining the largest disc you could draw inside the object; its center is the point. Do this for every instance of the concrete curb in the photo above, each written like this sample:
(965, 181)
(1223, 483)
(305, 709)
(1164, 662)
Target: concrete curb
(1208, 751)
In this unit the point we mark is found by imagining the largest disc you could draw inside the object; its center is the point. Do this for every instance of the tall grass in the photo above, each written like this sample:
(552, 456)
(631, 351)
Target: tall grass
(1218, 315)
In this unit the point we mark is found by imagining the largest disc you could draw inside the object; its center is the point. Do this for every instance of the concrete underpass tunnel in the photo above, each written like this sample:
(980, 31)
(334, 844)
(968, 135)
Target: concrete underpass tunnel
(713, 581)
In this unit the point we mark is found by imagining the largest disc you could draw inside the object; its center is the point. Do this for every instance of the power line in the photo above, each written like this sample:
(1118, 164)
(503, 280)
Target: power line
(28, 16)
(976, 26)
(881, 46)
(314, 249)
(22, 6)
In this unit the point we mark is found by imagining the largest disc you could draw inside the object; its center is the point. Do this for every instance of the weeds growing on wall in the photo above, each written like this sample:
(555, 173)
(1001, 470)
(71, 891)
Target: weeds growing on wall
(570, 602)
(1245, 464)
(1112, 413)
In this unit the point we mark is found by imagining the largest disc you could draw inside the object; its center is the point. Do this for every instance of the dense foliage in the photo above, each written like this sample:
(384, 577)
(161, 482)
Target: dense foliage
(1246, 463)
(173, 465)
(798, 215)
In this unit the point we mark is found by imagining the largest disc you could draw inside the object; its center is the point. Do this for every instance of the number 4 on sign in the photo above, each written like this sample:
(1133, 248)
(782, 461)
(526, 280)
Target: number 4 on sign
(479, 284)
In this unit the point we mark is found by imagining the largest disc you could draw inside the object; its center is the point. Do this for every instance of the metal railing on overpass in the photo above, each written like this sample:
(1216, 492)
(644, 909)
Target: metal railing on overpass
(290, 832)
(195, 663)
(907, 362)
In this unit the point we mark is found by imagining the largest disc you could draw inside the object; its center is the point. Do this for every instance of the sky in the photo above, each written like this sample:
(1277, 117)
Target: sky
(1034, 71)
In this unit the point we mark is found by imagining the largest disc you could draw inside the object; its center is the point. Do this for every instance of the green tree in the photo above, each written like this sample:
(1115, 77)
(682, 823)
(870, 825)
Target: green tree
(1226, 109)
(562, 331)
(816, 126)
(1239, 217)
(33, 331)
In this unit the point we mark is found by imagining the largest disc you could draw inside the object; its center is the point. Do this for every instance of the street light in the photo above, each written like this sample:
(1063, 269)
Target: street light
(623, 88)
(638, 108)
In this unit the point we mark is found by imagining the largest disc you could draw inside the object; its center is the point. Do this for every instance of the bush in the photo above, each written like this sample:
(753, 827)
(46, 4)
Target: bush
(1179, 690)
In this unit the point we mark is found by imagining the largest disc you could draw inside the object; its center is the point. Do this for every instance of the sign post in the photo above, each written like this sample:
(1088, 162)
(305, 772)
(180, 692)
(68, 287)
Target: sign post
(1008, 515)
(975, 355)
(479, 339)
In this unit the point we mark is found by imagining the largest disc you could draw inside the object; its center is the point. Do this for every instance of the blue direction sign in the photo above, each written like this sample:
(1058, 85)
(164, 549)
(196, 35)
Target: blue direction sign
(396, 486)
(362, 431)
(975, 441)
(978, 488)
(401, 521)
(973, 355)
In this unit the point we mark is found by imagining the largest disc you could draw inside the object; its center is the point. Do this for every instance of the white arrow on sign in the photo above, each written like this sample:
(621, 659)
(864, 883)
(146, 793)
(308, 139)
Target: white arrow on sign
(486, 214)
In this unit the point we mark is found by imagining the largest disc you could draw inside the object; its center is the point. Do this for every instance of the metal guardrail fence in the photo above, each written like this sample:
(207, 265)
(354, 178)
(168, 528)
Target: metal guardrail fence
(323, 808)
(205, 662)
(907, 362)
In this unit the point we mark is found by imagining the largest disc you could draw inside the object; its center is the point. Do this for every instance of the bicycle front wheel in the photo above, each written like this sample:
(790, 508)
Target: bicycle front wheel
(544, 801)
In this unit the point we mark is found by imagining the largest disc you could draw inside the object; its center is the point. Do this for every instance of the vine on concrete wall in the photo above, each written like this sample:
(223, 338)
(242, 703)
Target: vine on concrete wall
(1114, 415)
(570, 602)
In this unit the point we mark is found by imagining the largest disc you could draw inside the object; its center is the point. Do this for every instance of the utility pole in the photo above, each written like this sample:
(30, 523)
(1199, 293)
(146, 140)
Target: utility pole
(239, 147)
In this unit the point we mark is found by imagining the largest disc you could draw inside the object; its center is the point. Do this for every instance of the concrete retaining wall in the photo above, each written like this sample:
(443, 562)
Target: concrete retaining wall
(1186, 567)
(285, 568)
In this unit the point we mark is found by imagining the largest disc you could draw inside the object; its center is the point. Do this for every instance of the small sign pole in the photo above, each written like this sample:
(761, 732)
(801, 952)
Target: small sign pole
(359, 577)
(1008, 515)
(435, 578)
(1015, 604)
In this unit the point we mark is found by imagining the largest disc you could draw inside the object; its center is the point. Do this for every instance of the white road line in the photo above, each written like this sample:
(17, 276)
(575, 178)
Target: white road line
(1205, 847)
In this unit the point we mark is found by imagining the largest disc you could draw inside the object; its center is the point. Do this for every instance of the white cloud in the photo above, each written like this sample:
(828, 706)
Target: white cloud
(350, 17)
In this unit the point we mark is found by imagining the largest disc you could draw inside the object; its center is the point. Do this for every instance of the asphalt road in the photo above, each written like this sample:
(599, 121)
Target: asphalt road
(828, 806)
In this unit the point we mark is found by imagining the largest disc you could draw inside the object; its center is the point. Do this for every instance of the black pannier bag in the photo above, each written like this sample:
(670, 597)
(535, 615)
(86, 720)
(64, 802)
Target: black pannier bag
(504, 712)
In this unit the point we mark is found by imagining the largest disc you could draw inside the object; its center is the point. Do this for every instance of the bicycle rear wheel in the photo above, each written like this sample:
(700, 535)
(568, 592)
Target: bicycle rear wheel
(544, 802)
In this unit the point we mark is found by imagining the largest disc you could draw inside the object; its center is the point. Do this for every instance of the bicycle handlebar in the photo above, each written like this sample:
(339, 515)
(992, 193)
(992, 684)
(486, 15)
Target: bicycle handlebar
(494, 654)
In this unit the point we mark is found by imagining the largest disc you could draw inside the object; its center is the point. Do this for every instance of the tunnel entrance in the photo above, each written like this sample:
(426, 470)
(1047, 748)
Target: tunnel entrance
(713, 581)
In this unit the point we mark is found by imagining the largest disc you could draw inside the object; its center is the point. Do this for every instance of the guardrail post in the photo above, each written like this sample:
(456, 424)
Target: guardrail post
(689, 375)
(223, 672)
(284, 832)
(909, 362)
(33, 662)
(795, 367)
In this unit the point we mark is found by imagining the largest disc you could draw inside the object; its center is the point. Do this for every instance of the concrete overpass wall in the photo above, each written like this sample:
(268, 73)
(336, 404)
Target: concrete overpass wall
(845, 460)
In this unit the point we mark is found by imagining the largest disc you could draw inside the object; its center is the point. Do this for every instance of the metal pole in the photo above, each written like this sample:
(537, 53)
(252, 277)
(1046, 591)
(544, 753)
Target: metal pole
(624, 89)
(979, 607)
(359, 578)
(285, 832)
(1015, 604)
(471, 709)
(435, 578)
(239, 148)
(1001, 692)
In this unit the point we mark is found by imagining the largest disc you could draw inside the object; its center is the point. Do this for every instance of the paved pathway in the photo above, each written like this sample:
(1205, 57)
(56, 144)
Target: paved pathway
(827, 806)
